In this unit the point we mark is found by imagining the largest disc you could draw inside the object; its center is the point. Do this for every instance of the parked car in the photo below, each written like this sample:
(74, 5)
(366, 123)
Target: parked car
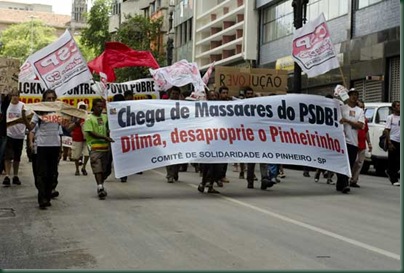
(376, 114)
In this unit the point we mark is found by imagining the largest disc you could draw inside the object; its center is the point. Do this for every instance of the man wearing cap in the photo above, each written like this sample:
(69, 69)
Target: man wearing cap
(353, 118)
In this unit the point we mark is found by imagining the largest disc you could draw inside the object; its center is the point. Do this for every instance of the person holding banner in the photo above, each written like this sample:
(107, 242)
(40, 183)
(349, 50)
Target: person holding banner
(172, 170)
(97, 138)
(15, 139)
(353, 118)
(48, 140)
(211, 172)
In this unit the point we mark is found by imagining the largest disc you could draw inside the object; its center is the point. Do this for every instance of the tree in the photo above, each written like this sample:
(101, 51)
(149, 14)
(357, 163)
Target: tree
(140, 33)
(21, 40)
(97, 33)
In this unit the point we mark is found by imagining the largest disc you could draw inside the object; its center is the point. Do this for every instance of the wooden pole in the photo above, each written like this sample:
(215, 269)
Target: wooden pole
(343, 78)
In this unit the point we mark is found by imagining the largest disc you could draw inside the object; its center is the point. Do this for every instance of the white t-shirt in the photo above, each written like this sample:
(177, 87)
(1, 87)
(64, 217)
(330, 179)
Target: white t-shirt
(16, 131)
(354, 114)
(393, 123)
(48, 133)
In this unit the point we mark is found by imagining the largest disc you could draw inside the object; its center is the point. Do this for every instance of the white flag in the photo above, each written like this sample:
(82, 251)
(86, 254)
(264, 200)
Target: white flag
(313, 49)
(59, 66)
(178, 74)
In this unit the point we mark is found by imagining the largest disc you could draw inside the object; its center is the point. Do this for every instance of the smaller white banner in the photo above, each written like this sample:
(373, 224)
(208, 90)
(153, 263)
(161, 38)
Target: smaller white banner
(59, 66)
(313, 49)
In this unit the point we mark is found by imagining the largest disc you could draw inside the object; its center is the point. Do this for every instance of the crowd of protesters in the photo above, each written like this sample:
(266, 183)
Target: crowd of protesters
(91, 142)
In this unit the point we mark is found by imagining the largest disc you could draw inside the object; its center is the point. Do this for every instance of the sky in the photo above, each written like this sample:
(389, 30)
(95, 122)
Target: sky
(58, 6)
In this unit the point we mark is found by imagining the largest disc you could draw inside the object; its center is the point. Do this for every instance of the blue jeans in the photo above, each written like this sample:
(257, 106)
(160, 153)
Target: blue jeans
(272, 170)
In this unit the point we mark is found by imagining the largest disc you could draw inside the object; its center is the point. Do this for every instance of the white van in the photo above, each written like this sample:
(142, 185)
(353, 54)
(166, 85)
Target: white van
(376, 114)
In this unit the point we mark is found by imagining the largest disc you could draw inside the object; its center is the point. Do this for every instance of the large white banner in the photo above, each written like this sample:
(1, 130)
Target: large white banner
(59, 66)
(313, 49)
(285, 129)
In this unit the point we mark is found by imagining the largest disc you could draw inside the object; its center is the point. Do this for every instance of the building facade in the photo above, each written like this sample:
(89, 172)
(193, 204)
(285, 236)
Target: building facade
(225, 32)
(78, 20)
(247, 33)
(366, 35)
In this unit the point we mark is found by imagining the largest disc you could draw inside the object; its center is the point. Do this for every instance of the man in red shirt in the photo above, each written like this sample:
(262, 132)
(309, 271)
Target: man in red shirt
(79, 147)
(363, 138)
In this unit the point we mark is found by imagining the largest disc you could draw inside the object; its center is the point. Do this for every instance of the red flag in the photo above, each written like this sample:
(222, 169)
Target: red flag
(118, 55)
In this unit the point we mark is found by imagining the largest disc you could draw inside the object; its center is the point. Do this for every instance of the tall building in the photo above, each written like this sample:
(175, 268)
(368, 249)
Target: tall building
(259, 33)
(21, 5)
(15, 12)
(225, 31)
(366, 36)
(78, 20)
(122, 8)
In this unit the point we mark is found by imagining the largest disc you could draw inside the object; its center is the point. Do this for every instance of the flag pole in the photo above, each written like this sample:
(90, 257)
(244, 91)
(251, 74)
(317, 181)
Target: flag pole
(343, 78)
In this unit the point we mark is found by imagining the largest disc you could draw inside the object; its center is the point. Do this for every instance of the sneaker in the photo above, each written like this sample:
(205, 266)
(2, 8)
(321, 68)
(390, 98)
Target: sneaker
(77, 173)
(396, 184)
(101, 193)
(390, 178)
(212, 190)
(201, 187)
(354, 185)
(16, 180)
(329, 181)
(282, 175)
(6, 181)
(54, 193)
(225, 180)
(277, 180)
(346, 190)
(266, 183)
(316, 177)
(250, 185)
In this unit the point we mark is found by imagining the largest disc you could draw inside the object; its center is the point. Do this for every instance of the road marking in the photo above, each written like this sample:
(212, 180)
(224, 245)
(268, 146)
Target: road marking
(316, 229)
(304, 225)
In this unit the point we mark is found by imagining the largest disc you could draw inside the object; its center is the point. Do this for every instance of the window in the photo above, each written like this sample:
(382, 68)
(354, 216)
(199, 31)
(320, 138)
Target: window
(184, 32)
(365, 3)
(278, 19)
(116, 8)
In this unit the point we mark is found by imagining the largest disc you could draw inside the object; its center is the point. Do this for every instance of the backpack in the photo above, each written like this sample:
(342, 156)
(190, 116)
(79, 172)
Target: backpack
(382, 142)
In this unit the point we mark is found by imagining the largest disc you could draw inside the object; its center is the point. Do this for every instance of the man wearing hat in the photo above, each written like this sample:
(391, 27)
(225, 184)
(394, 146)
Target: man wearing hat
(353, 118)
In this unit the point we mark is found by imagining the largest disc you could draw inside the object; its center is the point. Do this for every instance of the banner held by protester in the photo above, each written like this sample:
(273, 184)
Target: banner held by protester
(58, 66)
(179, 74)
(313, 49)
(284, 129)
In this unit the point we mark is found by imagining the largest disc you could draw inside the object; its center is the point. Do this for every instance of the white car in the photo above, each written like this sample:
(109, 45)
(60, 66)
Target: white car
(376, 114)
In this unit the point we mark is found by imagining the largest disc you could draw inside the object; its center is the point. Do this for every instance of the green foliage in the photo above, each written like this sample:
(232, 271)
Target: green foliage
(97, 33)
(87, 52)
(21, 40)
(139, 33)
